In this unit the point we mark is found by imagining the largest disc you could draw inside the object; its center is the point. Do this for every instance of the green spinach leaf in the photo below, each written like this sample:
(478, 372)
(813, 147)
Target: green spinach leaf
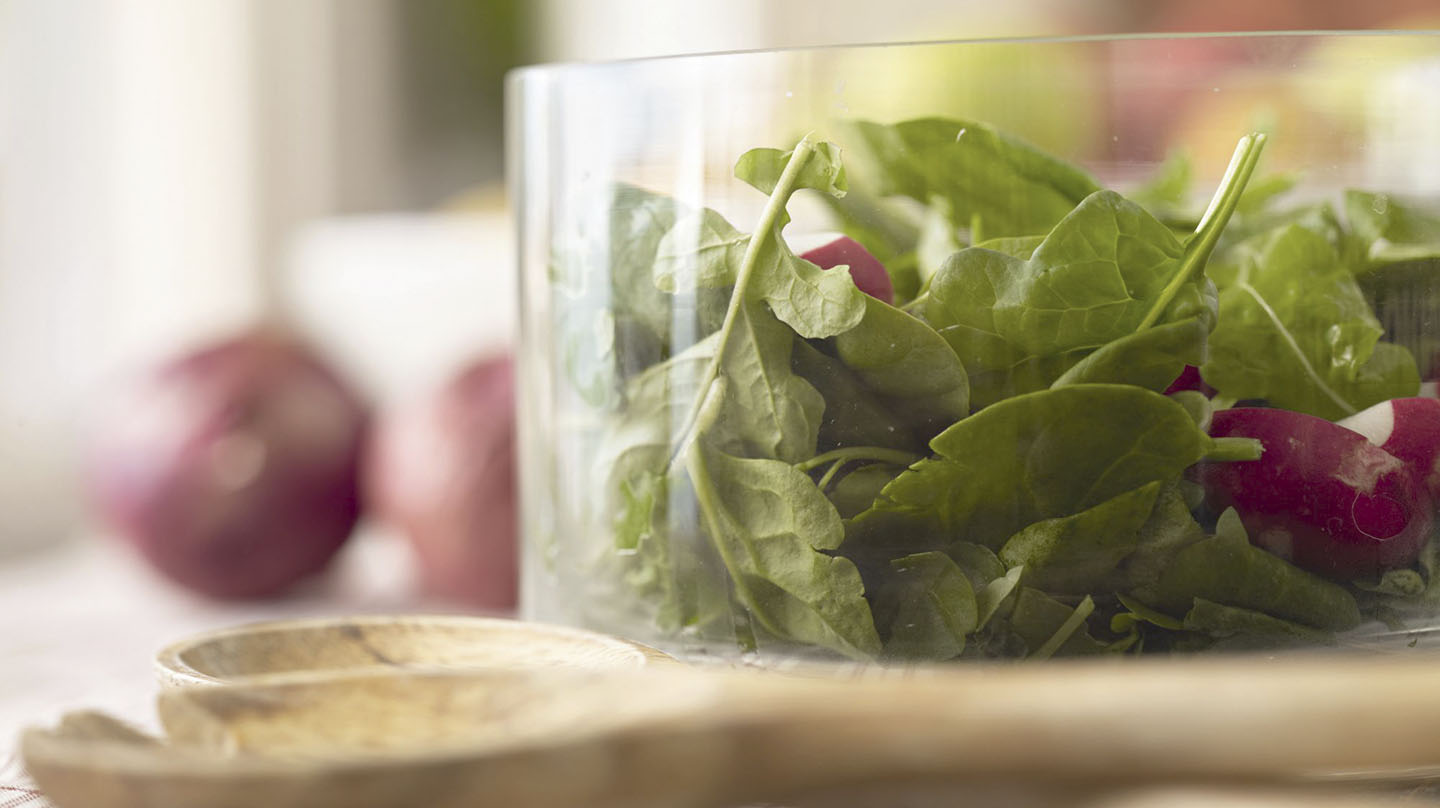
(1152, 358)
(854, 415)
(612, 321)
(1170, 529)
(927, 608)
(1016, 188)
(1049, 627)
(1221, 621)
(1093, 280)
(1228, 570)
(1038, 456)
(1082, 553)
(908, 365)
(1393, 229)
(1295, 330)
(669, 568)
(771, 526)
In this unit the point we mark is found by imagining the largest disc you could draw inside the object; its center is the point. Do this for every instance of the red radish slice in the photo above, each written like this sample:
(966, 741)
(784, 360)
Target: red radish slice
(1408, 428)
(1321, 495)
(865, 269)
(1189, 379)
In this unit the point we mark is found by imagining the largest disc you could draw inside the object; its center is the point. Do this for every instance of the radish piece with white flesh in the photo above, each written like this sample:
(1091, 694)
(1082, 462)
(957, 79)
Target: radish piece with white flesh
(1408, 428)
(443, 472)
(234, 469)
(1320, 495)
(866, 270)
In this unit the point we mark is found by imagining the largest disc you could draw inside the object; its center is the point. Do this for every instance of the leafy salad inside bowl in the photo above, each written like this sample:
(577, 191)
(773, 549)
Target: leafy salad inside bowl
(1007, 412)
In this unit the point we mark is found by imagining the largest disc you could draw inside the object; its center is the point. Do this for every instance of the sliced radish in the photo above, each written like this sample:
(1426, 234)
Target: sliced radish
(1408, 428)
(868, 273)
(1189, 379)
(1321, 495)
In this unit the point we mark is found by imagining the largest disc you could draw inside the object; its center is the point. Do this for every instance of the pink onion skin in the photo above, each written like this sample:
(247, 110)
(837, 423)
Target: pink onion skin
(442, 471)
(234, 470)
(1320, 495)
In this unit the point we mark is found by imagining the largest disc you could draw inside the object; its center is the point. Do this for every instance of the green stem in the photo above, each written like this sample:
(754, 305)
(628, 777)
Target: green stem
(1069, 627)
(764, 229)
(1226, 450)
(877, 453)
(1212, 224)
(830, 474)
(711, 514)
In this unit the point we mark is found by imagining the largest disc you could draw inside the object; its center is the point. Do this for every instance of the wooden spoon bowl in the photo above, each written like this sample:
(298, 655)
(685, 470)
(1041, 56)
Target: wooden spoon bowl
(321, 647)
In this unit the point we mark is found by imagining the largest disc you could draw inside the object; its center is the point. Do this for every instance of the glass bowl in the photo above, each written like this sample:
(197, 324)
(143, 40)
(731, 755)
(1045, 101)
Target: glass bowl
(1076, 393)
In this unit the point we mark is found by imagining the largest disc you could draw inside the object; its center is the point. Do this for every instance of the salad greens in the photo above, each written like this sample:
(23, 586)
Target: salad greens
(997, 465)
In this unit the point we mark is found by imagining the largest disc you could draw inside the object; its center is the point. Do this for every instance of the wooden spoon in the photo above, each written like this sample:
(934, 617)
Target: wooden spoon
(1076, 732)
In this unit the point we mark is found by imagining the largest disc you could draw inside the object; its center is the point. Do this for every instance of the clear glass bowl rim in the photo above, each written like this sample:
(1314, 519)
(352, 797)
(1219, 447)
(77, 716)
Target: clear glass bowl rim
(549, 68)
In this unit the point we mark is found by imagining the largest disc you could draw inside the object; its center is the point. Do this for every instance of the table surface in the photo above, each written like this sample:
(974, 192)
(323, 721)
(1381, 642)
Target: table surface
(81, 621)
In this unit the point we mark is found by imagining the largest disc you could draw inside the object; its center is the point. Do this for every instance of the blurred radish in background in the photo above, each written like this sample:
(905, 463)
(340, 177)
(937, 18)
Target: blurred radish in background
(442, 471)
(233, 469)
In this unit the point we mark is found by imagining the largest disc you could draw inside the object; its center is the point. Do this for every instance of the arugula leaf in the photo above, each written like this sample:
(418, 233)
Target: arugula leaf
(763, 168)
(1017, 189)
(770, 524)
(702, 250)
(1080, 553)
(1393, 229)
(1227, 569)
(1295, 330)
(765, 411)
(773, 412)
(927, 606)
(1038, 456)
(710, 253)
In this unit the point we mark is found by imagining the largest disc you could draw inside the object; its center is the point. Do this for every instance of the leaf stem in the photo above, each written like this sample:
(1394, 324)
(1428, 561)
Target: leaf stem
(830, 474)
(765, 228)
(1067, 628)
(710, 511)
(847, 453)
(1225, 450)
(1212, 224)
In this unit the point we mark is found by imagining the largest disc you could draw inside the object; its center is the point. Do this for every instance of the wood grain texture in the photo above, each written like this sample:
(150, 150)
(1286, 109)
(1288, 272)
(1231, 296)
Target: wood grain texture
(389, 642)
(1092, 734)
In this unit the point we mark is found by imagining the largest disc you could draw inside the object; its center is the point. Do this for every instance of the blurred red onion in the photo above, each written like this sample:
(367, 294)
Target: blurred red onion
(233, 469)
(443, 472)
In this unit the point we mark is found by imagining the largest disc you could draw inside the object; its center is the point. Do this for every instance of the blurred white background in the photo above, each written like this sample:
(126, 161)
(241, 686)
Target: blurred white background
(171, 170)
